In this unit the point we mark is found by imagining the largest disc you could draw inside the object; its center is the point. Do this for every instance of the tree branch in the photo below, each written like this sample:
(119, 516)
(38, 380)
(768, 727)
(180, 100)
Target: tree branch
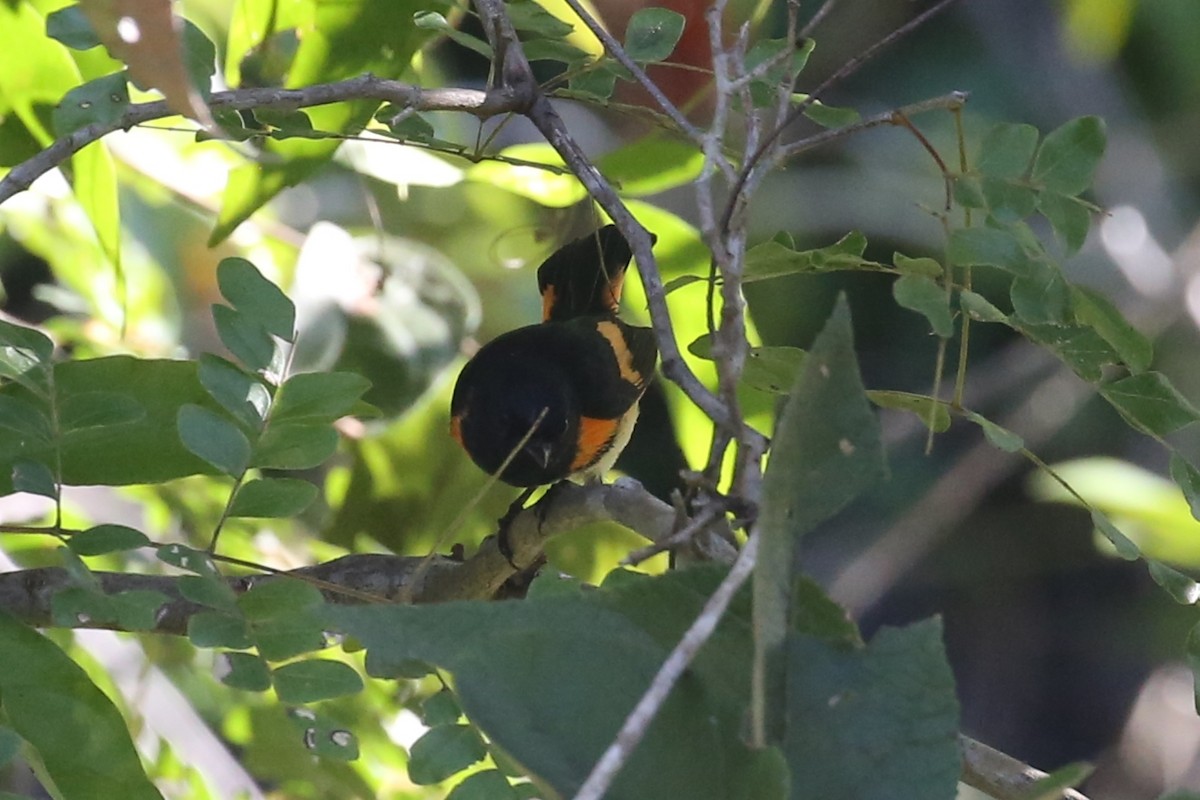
(364, 87)
(28, 594)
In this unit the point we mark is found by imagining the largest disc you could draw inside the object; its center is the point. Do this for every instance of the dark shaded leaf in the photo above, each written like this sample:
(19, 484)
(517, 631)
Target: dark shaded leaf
(315, 679)
(273, 498)
(1182, 588)
(278, 597)
(1007, 150)
(189, 559)
(295, 446)
(926, 297)
(246, 339)
(443, 751)
(71, 26)
(489, 784)
(253, 295)
(216, 629)
(1150, 403)
(208, 590)
(1069, 217)
(440, 709)
(875, 722)
(239, 393)
(1124, 546)
(34, 477)
(244, 671)
(137, 609)
(101, 539)
(652, 34)
(81, 410)
(987, 247)
(1188, 479)
(80, 736)
(102, 100)
(214, 439)
(1098, 313)
(1069, 155)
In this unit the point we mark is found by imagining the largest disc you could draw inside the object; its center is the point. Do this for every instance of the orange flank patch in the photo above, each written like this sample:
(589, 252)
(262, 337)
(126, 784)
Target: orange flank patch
(595, 436)
(549, 297)
(616, 340)
(456, 429)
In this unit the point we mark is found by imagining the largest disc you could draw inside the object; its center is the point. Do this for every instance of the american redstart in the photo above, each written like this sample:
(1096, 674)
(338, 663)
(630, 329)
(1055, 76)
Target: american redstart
(560, 397)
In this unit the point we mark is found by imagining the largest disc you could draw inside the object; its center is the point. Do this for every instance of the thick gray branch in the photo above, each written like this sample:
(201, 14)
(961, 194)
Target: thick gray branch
(28, 594)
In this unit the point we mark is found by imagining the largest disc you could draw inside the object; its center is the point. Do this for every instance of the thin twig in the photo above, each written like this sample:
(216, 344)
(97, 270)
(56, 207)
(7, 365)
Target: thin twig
(614, 49)
(638, 721)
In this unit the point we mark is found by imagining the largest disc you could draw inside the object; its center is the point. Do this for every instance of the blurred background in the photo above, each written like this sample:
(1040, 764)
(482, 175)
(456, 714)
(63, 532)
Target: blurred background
(1062, 652)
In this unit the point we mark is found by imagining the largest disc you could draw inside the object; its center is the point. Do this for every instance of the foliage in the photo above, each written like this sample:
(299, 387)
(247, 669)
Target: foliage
(320, 427)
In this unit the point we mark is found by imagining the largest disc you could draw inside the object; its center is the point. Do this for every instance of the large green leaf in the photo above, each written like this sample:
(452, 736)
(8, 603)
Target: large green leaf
(81, 737)
(520, 669)
(345, 38)
(141, 449)
(872, 723)
(826, 450)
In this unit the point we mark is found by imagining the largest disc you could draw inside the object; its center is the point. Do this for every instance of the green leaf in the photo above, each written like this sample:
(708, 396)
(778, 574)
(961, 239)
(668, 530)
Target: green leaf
(244, 671)
(826, 450)
(827, 116)
(80, 736)
(189, 559)
(598, 82)
(253, 295)
(273, 498)
(772, 369)
(214, 439)
(1069, 155)
(102, 100)
(987, 247)
(1124, 546)
(324, 737)
(76, 606)
(433, 21)
(980, 308)
(443, 751)
(239, 393)
(1098, 313)
(773, 259)
(1041, 296)
(1008, 201)
(651, 165)
(23, 348)
(440, 709)
(216, 629)
(10, 746)
(295, 446)
(315, 396)
(530, 17)
(1188, 479)
(875, 722)
(489, 784)
(968, 192)
(82, 410)
(245, 337)
(208, 590)
(652, 34)
(926, 408)
(315, 679)
(287, 636)
(999, 436)
(278, 597)
(137, 609)
(71, 26)
(923, 295)
(926, 267)
(1006, 150)
(78, 571)
(24, 420)
(1150, 403)
(1182, 588)
(34, 477)
(101, 539)
(1069, 217)
(1081, 348)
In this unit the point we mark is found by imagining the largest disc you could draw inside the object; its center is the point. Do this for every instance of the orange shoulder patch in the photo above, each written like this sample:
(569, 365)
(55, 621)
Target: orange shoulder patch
(456, 429)
(616, 339)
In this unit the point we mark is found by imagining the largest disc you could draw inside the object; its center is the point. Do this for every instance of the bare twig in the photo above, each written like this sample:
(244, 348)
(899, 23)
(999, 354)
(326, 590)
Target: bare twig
(363, 87)
(638, 721)
(999, 775)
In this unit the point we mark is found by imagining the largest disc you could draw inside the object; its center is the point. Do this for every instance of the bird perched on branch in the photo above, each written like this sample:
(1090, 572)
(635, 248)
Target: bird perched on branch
(559, 399)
